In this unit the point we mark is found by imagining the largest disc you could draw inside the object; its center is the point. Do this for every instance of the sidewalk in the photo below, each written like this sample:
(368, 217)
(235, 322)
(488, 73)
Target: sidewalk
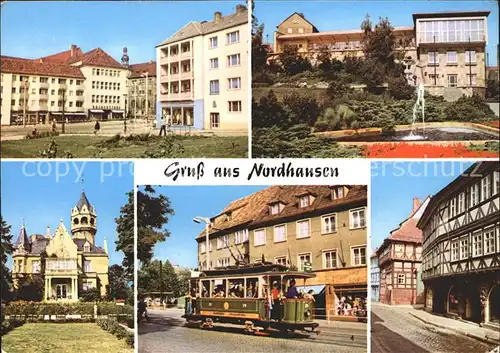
(464, 328)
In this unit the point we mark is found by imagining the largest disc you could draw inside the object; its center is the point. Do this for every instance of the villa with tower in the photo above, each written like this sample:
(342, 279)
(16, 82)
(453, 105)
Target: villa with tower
(68, 262)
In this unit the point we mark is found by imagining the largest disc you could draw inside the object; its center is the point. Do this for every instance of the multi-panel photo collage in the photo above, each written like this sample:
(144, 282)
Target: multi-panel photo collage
(250, 176)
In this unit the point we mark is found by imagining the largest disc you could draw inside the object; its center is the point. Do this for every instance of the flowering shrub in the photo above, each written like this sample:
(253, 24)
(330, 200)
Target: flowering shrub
(407, 150)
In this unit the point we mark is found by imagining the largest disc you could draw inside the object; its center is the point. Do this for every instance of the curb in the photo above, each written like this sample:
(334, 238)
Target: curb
(459, 331)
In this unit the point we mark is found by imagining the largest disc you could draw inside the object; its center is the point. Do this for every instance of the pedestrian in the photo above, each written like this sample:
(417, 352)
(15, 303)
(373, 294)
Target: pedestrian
(54, 125)
(97, 127)
(163, 128)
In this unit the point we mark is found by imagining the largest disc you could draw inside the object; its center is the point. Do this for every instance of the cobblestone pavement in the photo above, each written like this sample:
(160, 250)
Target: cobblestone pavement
(167, 332)
(393, 329)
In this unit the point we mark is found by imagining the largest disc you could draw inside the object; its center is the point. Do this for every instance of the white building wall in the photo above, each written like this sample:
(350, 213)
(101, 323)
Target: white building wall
(6, 84)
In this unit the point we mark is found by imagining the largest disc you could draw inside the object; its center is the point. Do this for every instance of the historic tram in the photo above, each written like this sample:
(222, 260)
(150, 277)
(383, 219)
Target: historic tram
(256, 296)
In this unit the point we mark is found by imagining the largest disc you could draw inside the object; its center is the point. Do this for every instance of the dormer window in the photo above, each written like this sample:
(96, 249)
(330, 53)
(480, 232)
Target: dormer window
(275, 208)
(304, 201)
(228, 216)
(337, 192)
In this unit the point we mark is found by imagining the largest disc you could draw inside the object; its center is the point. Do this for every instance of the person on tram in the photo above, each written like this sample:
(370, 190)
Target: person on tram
(292, 290)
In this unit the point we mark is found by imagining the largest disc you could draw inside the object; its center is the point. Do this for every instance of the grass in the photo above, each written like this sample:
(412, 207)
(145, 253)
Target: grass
(96, 147)
(62, 338)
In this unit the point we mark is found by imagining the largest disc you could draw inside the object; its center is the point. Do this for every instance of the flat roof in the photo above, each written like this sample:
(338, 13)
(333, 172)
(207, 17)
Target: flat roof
(450, 14)
(337, 33)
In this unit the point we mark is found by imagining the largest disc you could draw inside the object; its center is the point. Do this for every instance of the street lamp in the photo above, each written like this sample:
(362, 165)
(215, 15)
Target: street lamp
(207, 222)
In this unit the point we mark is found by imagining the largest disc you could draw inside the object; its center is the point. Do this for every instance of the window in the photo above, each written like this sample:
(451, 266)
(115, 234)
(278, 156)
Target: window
(275, 208)
(474, 195)
(337, 192)
(464, 248)
(35, 266)
(461, 202)
(281, 260)
(234, 83)
(289, 30)
(485, 188)
(330, 259)
(203, 248)
(357, 218)
(489, 241)
(303, 258)
(359, 256)
(496, 182)
(233, 37)
(301, 30)
(93, 72)
(214, 63)
(214, 87)
(79, 104)
(303, 229)
(471, 79)
(222, 242)
(477, 245)
(259, 237)
(280, 233)
(233, 60)
(214, 120)
(304, 201)
(452, 208)
(223, 262)
(329, 223)
(93, 84)
(87, 266)
(241, 236)
(234, 106)
(451, 57)
(455, 255)
(470, 56)
(213, 42)
(452, 80)
(433, 58)
(70, 104)
(401, 278)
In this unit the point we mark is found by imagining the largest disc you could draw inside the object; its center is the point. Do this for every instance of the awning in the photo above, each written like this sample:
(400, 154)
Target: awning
(316, 289)
(96, 111)
(117, 111)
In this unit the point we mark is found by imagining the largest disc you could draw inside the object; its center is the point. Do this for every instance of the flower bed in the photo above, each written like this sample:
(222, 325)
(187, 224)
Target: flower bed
(493, 123)
(406, 150)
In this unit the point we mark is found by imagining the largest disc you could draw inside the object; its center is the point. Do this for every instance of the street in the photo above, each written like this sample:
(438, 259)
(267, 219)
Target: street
(167, 332)
(393, 329)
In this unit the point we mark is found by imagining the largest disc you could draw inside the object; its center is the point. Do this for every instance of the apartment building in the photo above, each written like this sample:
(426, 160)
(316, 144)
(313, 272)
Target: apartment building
(142, 91)
(203, 74)
(312, 228)
(37, 92)
(374, 277)
(400, 258)
(444, 51)
(68, 264)
(461, 247)
(83, 86)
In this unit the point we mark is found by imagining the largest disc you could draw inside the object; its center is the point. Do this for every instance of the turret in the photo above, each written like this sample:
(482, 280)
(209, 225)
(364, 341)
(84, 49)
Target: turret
(84, 220)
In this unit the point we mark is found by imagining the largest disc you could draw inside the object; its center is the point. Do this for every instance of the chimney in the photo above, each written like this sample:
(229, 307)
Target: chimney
(217, 16)
(73, 50)
(240, 8)
(416, 204)
(47, 235)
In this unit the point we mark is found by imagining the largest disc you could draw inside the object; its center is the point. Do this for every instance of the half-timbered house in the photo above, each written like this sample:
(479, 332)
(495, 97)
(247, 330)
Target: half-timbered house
(461, 247)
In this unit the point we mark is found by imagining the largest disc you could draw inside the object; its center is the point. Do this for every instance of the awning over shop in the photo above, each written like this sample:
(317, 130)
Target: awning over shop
(316, 289)
(117, 111)
(96, 111)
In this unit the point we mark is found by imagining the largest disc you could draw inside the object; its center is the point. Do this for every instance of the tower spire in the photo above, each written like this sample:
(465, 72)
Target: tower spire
(105, 245)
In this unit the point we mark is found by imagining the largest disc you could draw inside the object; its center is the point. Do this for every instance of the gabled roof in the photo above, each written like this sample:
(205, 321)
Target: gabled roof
(193, 28)
(83, 201)
(96, 57)
(64, 56)
(37, 67)
(22, 239)
(93, 249)
(138, 69)
(303, 17)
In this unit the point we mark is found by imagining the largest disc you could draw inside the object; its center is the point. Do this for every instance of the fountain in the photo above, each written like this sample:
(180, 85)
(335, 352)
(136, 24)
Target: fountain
(418, 108)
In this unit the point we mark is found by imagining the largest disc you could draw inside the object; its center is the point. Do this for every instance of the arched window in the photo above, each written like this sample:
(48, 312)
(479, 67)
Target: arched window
(75, 221)
(92, 220)
(85, 220)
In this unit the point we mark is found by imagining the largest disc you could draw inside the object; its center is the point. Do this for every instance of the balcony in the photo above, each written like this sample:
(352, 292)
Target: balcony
(188, 75)
(163, 60)
(175, 77)
(80, 98)
(186, 54)
(43, 96)
(176, 96)
(44, 85)
(164, 78)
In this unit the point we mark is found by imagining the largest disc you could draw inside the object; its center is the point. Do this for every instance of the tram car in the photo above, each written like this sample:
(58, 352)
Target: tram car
(256, 296)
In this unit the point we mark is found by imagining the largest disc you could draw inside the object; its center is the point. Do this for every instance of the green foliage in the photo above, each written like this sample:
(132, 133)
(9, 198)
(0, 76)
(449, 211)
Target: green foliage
(293, 62)
(41, 134)
(153, 213)
(469, 109)
(490, 146)
(36, 308)
(9, 325)
(259, 53)
(157, 276)
(493, 90)
(112, 326)
(117, 287)
(6, 249)
(167, 147)
(125, 230)
(29, 288)
(379, 46)
(399, 88)
(338, 88)
(373, 74)
(90, 295)
(300, 109)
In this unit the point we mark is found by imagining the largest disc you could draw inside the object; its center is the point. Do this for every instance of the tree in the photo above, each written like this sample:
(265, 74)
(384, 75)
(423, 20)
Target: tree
(492, 89)
(125, 230)
(117, 287)
(29, 288)
(6, 249)
(152, 279)
(301, 109)
(379, 45)
(399, 88)
(90, 295)
(153, 212)
(292, 61)
(337, 88)
(324, 59)
(268, 111)
(373, 74)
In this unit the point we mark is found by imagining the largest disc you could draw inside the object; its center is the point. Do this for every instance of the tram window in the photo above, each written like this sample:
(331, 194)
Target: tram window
(205, 289)
(236, 288)
(219, 286)
(252, 288)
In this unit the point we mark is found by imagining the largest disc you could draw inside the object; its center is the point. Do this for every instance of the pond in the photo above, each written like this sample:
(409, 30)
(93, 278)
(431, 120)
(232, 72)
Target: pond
(429, 134)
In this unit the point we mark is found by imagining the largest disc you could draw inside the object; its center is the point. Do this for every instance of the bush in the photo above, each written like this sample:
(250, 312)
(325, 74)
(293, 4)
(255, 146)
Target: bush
(38, 135)
(112, 326)
(110, 308)
(469, 109)
(321, 126)
(167, 146)
(91, 295)
(9, 325)
(399, 88)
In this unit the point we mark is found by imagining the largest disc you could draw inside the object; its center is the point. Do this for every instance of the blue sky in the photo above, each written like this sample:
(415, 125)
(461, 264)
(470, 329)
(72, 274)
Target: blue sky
(42, 198)
(188, 202)
(343, 15)
(395, 184)
(32, 29)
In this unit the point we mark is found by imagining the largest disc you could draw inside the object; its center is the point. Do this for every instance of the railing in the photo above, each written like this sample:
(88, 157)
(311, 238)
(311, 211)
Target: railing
(186, 75)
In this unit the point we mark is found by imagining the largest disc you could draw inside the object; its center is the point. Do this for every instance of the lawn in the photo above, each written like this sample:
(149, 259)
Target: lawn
(62, 338)
(106, 147)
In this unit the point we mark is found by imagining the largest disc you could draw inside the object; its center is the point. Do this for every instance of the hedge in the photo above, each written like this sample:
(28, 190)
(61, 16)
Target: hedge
(112, 326)
(79, 308)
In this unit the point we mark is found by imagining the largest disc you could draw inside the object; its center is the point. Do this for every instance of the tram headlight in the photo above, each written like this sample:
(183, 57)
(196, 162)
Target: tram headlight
(307, 314)
(306, 305)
